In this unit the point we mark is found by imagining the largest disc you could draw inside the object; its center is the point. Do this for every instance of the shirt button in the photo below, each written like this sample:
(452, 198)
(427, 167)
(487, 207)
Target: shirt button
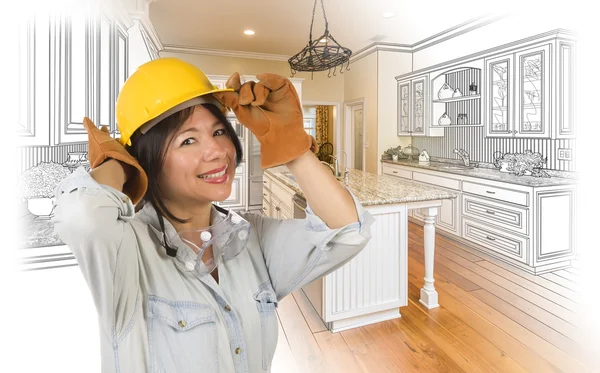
(238, 351)
(205, 236)
(235, 219)
(227, 308)
(182, 323)
(125, 199)
(190, 265)
(242, 235)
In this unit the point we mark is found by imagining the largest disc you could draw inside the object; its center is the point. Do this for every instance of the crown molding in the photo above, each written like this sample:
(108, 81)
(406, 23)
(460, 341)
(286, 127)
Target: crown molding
(223, 53)
(146, 24)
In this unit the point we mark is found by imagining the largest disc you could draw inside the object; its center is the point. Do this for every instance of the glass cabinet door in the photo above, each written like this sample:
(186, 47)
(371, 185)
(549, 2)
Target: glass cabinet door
(403, 108)
(499, 72)
(533, 92)
(418, 108)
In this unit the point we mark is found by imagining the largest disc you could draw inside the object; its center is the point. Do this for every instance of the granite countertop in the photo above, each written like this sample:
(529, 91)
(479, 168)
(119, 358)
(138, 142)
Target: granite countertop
(36, 233)
(488, 172)
(372, 189)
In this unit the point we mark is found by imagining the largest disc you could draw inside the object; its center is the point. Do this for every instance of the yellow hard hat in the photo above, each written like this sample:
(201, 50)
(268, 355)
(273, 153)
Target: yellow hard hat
(157, 88)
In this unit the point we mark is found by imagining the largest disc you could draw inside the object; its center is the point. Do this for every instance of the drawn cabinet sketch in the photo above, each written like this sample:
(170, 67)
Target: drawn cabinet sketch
(456, 96)
(499, 103)
(530, 92)
(414, 106)
(32, 84)
(532, 105)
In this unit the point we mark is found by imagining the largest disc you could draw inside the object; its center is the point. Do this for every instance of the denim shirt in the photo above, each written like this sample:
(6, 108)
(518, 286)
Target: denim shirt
(158, 313)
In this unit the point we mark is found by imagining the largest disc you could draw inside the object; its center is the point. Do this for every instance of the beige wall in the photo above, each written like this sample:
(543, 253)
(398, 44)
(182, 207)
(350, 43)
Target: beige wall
(330, 125)
(389, 65)
(319, 88)
(361, 82)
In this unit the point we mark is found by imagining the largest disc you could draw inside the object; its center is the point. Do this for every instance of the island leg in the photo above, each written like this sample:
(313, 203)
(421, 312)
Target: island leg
(429, 297)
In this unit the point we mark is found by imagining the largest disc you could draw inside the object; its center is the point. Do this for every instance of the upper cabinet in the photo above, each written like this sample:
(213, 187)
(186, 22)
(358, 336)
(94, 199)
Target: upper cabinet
(414, 99)
(456, 92)
(529, 92)
(69, 67)
(524, 89)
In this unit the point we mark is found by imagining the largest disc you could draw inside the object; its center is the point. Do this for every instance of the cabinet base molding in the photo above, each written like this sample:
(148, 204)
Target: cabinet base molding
(362, 320)
(537, 270)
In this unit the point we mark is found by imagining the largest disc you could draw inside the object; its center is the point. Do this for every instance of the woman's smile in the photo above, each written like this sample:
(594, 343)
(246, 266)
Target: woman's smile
(216, 176)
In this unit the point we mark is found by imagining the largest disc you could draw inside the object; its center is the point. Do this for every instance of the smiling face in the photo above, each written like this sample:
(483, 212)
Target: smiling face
(200, 161)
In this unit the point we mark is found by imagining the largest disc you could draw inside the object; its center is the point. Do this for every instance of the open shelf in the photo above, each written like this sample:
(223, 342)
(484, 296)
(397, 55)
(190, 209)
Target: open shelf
(456, 99)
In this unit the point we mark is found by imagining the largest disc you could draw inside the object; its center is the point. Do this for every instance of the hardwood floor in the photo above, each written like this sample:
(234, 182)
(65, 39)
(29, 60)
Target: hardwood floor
(493, 318)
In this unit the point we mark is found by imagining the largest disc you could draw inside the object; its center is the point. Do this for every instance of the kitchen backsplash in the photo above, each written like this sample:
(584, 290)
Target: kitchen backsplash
(34, 155)
(481, 149)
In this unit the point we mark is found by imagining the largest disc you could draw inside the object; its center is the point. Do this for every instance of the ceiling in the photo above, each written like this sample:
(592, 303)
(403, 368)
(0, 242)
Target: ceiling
(282, 26)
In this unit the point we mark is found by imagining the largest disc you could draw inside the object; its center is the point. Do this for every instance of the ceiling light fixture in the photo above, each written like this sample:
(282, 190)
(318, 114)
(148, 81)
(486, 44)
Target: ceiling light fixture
(388, 14)
(249, 32)
(318, 57)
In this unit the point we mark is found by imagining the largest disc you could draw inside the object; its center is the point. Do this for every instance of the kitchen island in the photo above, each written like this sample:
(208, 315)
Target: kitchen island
(373, 285)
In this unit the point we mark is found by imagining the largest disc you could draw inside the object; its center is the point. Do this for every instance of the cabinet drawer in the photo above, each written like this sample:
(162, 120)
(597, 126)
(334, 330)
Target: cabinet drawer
(502, 194)
(395, 171)
(283, 195)
(266, 207)
(437, 180)
(506, 216)
(508, 245)
(266, 194)
(266, 181)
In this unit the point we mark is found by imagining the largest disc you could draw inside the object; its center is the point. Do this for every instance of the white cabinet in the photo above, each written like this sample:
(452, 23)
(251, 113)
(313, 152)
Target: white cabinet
(529, 91)
(68, 67)
(532, 228)
(414, 97)
(277, 199)
(28, 75)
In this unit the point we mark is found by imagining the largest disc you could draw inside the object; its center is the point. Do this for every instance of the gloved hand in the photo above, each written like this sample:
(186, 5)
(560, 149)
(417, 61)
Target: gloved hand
(102, 147)
(271, 110)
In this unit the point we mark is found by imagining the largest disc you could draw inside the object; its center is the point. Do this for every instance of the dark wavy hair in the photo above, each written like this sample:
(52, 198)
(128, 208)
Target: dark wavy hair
(150, 151)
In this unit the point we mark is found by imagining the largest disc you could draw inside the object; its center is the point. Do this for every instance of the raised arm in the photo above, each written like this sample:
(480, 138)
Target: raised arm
(327, 197)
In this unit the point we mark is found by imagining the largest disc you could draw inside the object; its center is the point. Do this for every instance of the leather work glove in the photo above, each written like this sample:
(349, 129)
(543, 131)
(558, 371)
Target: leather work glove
(102, 147)
(271, 110)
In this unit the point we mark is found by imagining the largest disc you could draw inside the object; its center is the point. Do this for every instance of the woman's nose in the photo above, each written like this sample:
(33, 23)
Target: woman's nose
(213, 149)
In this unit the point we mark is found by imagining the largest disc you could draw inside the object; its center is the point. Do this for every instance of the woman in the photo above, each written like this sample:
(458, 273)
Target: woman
(183, 285)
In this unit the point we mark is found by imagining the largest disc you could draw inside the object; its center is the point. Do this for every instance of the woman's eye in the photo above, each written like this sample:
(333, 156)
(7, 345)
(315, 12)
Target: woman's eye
(188, 141)
(219, 132)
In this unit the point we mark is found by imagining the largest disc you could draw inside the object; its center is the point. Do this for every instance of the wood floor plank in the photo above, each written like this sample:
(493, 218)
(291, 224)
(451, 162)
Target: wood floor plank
(302, 343)
(537, 280)
(449, 274)
(564, 320)
(464, 357)
(569, 346)
(475, 340)
(531, 351)
(315, 323)
(568, 275)
(337, 353)
(421, 352)
(561, 281)
(369, 355)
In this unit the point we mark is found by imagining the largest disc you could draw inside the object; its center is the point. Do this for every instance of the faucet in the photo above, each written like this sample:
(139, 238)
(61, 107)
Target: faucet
(335, 168)
(463, 155)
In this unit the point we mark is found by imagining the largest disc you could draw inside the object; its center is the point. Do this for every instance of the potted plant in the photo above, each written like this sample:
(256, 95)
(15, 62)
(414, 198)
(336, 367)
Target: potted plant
(37, 184)
(392, 153)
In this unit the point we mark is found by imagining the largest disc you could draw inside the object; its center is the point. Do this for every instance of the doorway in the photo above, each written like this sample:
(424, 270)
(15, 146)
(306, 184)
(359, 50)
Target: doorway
(355, 133)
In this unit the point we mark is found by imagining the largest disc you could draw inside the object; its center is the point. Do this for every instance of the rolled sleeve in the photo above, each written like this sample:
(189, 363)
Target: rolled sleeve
(93, 221)
(298, 251)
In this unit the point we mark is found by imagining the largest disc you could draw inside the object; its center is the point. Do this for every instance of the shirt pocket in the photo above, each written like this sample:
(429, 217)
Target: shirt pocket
(266, 303)
(182, 336)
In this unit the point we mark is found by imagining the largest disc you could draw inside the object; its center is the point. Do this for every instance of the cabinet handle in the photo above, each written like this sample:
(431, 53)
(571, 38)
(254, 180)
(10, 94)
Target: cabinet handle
(490, 212)
(264, 208)
(490, 192)
(490, 238)
(264, 181)
(256, 181)
(277, 208)
(265, 194)
(395, 172)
